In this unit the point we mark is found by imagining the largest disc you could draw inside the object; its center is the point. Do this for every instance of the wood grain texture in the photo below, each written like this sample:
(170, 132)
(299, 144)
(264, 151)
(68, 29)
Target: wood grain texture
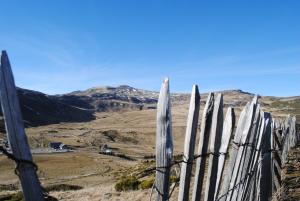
(265, 182)
(235, 178)
(214, 146)
(233, 151)
(189, 145)
(16, 134)
(228, 128)
(164, 143)
(202, 147)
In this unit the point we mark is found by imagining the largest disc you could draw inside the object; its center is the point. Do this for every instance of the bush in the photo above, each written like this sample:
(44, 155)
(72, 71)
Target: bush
(12, 197)
(8, 187)
(174, 179)
(148, 183)
(127, 183)
(62, 187)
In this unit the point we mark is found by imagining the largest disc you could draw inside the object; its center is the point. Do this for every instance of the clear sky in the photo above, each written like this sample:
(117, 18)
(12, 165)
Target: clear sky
(60, 46)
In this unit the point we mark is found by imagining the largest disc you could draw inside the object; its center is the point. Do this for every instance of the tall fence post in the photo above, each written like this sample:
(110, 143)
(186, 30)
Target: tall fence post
(164, 143)
(189, 145)
(214, 146)
(202, 147)
(16, 134)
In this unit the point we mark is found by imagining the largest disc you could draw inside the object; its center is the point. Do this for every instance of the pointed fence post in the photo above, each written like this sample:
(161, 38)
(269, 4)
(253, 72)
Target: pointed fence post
(189, 145)
(164, 143)
(235, 178)
(214, 146)
(228, 128)
(202, 147)
(16, 134)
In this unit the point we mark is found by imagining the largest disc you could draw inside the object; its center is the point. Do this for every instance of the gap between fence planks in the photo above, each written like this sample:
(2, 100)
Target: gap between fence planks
(16, 134)
(189, 145)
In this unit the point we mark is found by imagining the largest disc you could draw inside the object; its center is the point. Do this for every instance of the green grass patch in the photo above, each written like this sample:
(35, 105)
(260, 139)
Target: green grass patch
(147, 183)
(127, 183)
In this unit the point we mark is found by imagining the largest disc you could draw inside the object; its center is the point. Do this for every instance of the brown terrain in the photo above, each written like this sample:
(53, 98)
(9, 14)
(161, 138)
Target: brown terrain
(121, 118)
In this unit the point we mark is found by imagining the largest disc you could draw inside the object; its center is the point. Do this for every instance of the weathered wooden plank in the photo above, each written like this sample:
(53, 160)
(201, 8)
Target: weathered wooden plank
(252, 180)
(228, 128)
(189, 145)
(240, 153)
(275, 160)
(265, 183)
(164, 143)
(233, 152)
(15, 130)
(202, 147)
(249, 151)
(214, 146)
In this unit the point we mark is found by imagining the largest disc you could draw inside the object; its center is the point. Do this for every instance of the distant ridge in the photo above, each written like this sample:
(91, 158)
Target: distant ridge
(80, 106)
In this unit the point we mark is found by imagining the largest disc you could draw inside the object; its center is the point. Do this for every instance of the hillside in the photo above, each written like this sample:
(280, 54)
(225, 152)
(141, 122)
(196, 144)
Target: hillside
(130, 131)
(41, 109)
(81, 106)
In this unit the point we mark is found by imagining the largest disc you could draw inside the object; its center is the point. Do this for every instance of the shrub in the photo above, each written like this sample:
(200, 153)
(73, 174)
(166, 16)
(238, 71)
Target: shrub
(8, 187)
(174, 179)
(147, 183)
(12, 197)
(127, 183)
(62, 187)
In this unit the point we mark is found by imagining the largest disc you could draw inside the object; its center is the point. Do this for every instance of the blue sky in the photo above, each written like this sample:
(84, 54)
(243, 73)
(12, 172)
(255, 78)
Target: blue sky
(60, 46)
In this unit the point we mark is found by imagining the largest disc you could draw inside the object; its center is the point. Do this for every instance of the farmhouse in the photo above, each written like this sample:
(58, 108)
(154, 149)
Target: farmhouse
(57, 145)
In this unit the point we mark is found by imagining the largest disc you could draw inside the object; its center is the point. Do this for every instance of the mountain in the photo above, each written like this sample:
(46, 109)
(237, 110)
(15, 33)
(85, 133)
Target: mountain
(80, 106)
(41, 109)
(102, 99)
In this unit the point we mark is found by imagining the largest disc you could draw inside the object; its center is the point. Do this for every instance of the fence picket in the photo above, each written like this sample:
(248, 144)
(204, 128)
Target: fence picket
(265, 182)
(233, 151)
(202, 147)
(16, 134)
(228, 128)
(239, 157)
(164, 143)
(214, 146)
(189, 145)
(248, 152)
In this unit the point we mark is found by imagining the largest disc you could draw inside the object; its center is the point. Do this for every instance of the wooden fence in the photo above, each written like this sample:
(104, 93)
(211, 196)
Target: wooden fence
(249, 170)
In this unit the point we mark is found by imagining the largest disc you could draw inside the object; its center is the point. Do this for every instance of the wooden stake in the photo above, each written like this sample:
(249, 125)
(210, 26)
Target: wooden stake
(16, 134)
(189, 145)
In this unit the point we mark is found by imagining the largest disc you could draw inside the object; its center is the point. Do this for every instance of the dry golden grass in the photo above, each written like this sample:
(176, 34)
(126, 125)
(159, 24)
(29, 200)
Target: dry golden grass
(98, 173)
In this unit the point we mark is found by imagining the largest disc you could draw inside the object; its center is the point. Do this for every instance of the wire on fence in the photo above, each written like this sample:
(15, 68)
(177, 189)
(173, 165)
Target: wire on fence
(23, 161)
(17, 160)
(191, 161)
